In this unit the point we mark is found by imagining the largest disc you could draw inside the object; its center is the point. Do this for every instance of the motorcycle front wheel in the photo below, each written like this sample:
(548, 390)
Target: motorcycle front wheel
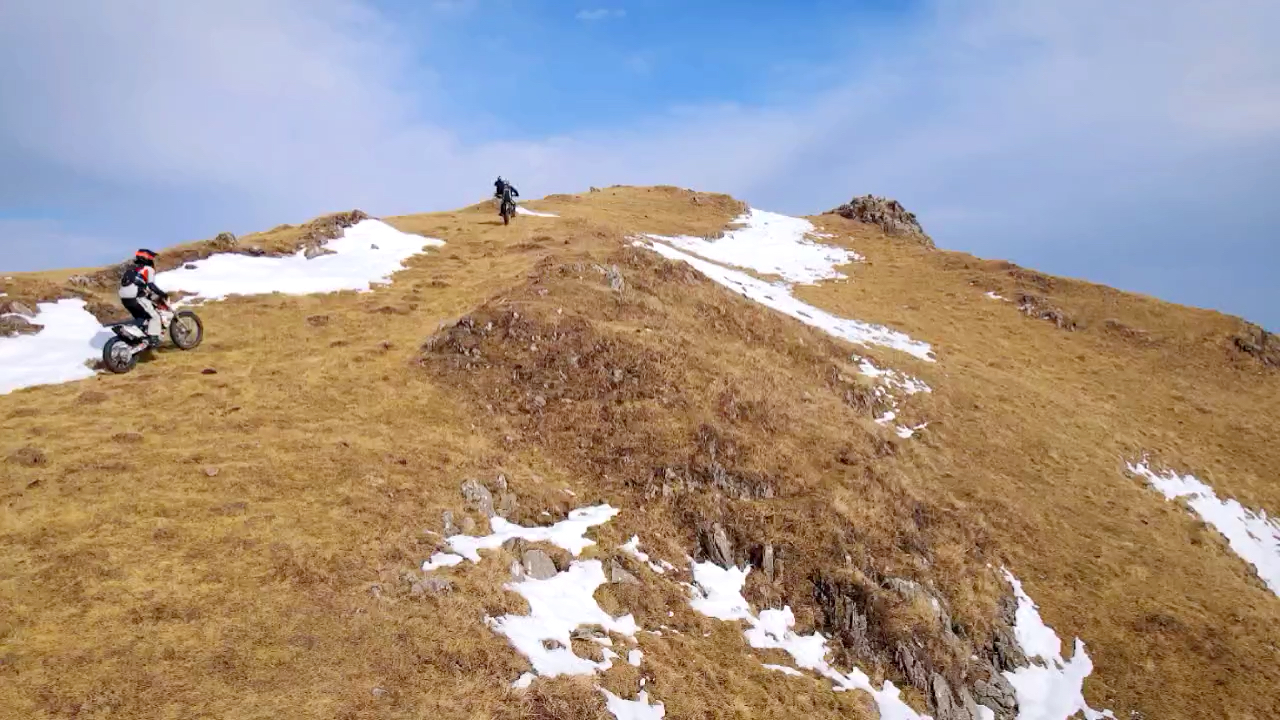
(186, 330)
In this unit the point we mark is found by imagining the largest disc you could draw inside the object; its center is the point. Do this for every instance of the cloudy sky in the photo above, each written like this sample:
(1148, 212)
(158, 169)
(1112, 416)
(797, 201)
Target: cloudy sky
(1133, 143)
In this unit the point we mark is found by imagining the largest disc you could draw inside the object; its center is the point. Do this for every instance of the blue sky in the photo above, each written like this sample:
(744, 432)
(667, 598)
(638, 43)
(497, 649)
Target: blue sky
(1135, 144)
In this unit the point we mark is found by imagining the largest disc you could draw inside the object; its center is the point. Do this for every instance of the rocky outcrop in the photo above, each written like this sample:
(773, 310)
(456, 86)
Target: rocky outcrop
(885, 213)
(11, 325)
(1260, 344)
(1039, 308)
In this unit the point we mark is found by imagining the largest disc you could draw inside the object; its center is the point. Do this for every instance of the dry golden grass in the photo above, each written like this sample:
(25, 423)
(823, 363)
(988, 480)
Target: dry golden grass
(134, 583)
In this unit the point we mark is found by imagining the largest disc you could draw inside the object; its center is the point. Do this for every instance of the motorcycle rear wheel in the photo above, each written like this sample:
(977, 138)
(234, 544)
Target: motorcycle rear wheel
(118, 356)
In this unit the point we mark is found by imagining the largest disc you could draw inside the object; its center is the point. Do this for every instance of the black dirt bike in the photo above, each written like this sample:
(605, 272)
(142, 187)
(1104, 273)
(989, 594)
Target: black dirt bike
(121, 352)
(508, 207)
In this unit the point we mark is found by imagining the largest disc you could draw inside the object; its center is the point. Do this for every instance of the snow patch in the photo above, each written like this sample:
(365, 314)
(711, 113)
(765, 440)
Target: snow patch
(441, 559)
(533, 213)
(1252, 535)
(1053, 689)
(718, 594)
(776, 244)
(369, 251)
(784, 670)
(994, 296)
(638, 709)
(58, 353)
(635, 657)
(557, 606)
(892, 378)
(632, 548)
(568, 534)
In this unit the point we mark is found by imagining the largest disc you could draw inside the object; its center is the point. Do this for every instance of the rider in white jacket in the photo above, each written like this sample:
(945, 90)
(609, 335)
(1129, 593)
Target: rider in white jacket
(138, 293)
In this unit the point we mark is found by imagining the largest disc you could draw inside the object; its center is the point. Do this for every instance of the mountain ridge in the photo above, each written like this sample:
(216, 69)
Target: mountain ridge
(723, 430)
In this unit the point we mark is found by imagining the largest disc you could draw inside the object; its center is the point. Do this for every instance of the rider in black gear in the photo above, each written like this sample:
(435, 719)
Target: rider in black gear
(499, 185)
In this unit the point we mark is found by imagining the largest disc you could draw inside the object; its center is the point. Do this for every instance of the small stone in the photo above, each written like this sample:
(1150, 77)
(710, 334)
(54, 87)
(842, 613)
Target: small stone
(19, 309)
(618, 574)
(28, 457)
(373, 246)
(431, 586)
(449, 529)
(211, 471)
(538, 564)
(766, 563)
(478, 496)
(540, 401)
(379, 692)
(208, 371)
(718, 547)
(500, 485)
(616, 282)
(189, 266)
(507, 504)
(79, 280)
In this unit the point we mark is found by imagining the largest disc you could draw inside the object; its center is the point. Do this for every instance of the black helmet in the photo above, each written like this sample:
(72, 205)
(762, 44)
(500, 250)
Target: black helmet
(145, 257)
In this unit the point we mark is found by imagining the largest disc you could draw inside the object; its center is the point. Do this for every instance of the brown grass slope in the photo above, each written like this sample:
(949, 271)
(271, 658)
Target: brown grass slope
(135, 582)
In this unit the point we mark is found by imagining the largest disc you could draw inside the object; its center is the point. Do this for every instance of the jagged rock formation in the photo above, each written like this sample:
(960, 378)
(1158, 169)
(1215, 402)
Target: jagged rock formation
(885, 213)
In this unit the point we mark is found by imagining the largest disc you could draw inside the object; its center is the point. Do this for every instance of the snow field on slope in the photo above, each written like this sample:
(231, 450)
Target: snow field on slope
(778, 233)
(770, 244)
(779, 245)
(1253, 536)
(58, 353)
(369, 251)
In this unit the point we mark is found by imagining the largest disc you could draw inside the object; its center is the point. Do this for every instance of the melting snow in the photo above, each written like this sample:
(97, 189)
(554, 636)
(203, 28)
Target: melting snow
(718, 594)
(557, 606)
(568, 533)
(441, 559)
(994, 296)
(638, 709)
(1252, 535)
(369, 251)
(1053, 689)
(775, 244)
(892, 378)
(784, 669)
(533, 213)
(632, 548)
(770, 244)
(635, 657)
(56, 354)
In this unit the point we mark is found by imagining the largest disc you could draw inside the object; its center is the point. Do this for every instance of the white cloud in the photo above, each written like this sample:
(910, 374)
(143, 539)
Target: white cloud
(994, 119)
(600, 14)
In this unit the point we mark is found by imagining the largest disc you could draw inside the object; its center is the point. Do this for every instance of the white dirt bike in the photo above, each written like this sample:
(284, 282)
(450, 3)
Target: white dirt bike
(121, 352)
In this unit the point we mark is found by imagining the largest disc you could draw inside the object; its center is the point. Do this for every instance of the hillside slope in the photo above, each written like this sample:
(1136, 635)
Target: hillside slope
(250, 541)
